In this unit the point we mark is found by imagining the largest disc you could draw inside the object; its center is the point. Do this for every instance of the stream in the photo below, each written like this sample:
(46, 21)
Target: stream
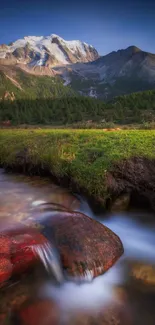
(114, 298)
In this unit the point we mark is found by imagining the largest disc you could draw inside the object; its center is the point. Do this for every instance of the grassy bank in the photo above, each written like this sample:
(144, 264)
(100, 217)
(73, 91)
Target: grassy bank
(83, 156)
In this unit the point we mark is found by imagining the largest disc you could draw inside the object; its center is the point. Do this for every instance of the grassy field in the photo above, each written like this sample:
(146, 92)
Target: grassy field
(84, 156)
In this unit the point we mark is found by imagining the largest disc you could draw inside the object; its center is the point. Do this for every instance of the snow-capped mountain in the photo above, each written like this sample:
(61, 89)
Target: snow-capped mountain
(47, 51)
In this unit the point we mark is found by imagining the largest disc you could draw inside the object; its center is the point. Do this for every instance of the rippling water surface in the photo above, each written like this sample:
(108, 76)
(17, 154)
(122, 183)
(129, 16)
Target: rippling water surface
(82, 303)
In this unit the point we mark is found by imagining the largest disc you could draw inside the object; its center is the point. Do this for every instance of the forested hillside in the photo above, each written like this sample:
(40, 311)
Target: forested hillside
(68, 108)
(27, 86)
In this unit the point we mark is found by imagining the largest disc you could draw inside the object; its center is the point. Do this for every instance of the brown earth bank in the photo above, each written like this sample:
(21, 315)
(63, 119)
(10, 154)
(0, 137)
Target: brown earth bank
(133, 180)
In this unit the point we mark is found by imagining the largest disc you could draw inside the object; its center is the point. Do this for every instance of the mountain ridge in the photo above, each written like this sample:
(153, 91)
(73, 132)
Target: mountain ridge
(79, 65)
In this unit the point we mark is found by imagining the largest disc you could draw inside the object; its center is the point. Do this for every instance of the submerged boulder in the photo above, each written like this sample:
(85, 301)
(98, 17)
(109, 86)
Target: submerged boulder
(142, 276)
(37, 312)
(86, 247)
(111, 315)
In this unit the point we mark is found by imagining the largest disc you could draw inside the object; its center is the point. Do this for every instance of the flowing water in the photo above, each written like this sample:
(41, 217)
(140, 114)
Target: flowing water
(85, 303)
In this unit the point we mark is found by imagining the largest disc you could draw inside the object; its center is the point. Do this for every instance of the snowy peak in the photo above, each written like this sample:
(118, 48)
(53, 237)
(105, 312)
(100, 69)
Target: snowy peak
(48, 51)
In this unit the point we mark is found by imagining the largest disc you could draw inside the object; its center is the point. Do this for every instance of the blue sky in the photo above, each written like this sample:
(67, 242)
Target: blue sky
(108, 25)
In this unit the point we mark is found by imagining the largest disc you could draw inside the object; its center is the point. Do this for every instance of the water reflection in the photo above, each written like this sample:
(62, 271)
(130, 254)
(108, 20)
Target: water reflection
(23, 199)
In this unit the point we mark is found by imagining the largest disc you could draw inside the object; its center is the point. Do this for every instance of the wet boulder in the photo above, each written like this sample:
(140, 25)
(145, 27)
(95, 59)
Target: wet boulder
(86, 247)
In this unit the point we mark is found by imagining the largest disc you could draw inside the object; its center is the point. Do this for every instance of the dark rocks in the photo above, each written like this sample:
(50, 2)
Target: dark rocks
(86, 247)
(121, 203)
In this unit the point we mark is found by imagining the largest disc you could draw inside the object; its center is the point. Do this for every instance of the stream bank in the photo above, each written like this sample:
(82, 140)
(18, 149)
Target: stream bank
(113, 170)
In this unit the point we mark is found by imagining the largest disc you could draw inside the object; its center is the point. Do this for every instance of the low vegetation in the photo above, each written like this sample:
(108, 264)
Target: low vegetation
(83, 157)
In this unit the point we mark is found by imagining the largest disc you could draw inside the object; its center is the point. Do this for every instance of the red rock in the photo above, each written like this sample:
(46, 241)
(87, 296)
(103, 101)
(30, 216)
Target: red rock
(5, 244)
(39, 312)
(23, 255)
(86, 247)
(3, 319)
(5, 269)
(17, 252)
(5, 262)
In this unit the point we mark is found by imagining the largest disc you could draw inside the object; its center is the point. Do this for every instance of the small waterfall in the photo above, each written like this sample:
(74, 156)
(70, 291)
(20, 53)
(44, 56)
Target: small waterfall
(50, 259)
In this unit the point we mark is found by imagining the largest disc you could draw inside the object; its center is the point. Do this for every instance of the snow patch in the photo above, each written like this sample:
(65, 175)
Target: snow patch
(92, 92)
(67, 80)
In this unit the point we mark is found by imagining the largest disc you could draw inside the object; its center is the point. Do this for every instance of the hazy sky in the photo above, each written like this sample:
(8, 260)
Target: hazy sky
(108, 25)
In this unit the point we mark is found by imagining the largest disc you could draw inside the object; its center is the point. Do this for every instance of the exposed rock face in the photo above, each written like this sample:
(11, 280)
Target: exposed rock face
(9, 96)
(25, 54)
(116, 73)
(87, 248)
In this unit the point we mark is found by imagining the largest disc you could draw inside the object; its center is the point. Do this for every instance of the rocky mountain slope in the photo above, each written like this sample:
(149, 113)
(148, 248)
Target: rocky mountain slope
(80, 66)
(117, 73)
